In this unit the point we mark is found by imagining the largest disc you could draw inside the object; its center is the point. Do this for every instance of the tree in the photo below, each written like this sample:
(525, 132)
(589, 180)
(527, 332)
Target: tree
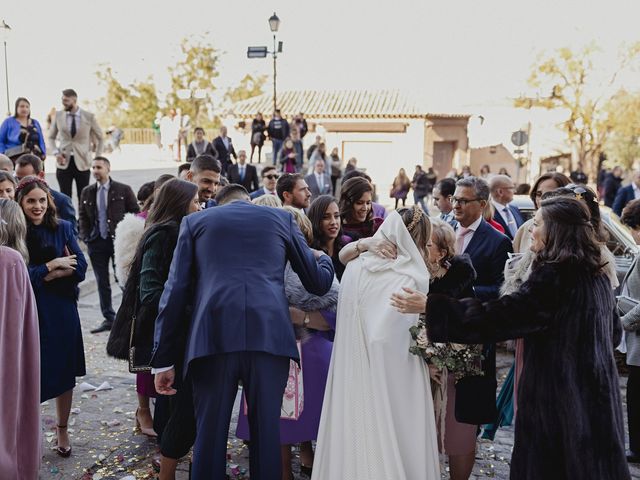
(132, 106)
(623, 122)
(192, 80)
(574, 87)
(248, 87)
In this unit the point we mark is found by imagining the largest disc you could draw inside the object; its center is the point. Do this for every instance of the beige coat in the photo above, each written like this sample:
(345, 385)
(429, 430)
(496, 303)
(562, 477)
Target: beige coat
(88, 134)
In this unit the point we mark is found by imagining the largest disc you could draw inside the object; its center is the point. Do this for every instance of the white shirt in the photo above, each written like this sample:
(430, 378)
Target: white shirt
(473, 227)
(636, 191)
(509, 220)
(320, 181)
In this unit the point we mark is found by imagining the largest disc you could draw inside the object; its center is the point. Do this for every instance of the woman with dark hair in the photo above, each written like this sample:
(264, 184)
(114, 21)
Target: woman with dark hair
(356, 213)
(22, 134)
(631, 323)
(141, 297)
(570, 413)
(327, 230)
(7, 186)
(56, 266)
(287, 157)
(258, 126)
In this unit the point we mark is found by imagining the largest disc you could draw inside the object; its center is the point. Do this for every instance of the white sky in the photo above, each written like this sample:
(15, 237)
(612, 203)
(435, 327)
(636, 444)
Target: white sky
(461, 55)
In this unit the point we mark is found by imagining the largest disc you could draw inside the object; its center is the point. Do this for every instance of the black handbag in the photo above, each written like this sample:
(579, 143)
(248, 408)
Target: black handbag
(476, 394)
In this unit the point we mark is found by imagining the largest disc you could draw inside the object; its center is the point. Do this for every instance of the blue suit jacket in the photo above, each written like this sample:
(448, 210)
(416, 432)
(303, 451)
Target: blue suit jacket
(517, 216)
(489, 250)
(236, 290)
(258, 193)
(65, 209)
(624, 196)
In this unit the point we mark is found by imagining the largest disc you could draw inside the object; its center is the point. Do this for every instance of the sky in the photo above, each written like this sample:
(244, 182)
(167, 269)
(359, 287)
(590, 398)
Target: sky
(463, 56)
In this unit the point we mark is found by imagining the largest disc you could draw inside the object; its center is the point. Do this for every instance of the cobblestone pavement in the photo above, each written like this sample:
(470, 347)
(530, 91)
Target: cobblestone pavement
(105, 445)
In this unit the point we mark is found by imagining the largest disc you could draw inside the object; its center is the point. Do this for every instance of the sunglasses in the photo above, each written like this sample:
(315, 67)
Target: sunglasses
(271, 177)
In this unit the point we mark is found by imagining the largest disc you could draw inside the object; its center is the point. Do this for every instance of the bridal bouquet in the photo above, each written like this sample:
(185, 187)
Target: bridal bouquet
(459, 360)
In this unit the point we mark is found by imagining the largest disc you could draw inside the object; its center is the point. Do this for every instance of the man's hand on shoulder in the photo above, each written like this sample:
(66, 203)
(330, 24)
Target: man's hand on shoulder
(317, 253)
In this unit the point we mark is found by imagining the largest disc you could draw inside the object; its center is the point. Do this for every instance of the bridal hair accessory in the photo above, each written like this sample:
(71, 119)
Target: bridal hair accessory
(417, 215)
(25, 183)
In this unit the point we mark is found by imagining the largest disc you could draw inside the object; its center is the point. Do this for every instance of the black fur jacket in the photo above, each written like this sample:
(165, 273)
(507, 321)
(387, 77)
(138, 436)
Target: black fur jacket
(569, 424)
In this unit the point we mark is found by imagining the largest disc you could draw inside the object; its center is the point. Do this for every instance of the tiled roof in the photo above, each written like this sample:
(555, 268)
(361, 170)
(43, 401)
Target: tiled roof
(338, 104)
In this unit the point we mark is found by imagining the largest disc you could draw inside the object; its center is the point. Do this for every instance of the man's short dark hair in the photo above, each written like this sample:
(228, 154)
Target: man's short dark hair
(205, 162)
(231, 192)
(198, 129)
(183, 167)
(446, 186)
(286, 183)
(103, 159)
(354, 174)
(267, 169)
(30, 159)
(69, 92)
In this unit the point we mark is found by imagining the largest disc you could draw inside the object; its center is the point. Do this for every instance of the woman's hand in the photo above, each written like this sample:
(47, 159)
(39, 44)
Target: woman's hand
(58, 273)
(382, 248)
(65, 263)
(435, 374)
(297, 316)
(411, 301)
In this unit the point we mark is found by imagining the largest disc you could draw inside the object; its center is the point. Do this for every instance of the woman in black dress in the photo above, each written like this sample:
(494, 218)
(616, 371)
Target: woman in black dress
(258, 126)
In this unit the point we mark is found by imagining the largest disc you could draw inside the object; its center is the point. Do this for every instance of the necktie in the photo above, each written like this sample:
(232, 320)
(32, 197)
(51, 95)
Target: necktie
(242, 174)
(102, 213)
(511, 223)
(462, 233)
(73, 125)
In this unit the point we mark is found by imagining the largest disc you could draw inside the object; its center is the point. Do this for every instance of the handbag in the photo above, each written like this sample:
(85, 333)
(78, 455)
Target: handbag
(626, 304)
(14, 152)
(139, 358)
(476, 400)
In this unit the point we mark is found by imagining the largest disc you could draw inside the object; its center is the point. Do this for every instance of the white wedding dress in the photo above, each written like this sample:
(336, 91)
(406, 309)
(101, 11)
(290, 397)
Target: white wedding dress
(377, 419)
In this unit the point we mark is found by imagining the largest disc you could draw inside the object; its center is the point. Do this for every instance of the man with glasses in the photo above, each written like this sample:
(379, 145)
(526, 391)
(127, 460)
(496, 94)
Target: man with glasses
(442, 195)
(269, 180)
(508, 216)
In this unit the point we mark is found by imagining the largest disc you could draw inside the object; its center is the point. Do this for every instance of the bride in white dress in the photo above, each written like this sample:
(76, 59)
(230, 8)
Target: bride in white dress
(377, 419)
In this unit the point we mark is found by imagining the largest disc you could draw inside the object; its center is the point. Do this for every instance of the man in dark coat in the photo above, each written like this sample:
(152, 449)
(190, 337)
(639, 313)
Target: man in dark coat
(224, 146)
(244, 174)
(420, 185)
(240, 327)
(102, 206)
(278, 131)
(627, 194)
(611, 185)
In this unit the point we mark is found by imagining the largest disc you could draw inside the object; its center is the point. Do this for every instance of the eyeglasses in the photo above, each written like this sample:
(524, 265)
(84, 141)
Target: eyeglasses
(271, 177)
(463, 202)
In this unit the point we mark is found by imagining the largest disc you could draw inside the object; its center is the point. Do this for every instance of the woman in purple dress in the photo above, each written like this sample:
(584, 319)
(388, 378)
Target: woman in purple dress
(314, 319)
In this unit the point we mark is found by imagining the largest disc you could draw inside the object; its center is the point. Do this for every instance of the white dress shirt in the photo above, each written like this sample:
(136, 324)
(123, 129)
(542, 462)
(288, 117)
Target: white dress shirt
(636, 190)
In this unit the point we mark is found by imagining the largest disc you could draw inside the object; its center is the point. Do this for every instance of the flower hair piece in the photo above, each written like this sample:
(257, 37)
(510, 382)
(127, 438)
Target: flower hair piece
(417, 215)
(25, 183)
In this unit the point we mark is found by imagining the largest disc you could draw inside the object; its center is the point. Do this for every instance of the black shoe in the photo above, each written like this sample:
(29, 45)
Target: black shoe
(104, 327)
(633, 457)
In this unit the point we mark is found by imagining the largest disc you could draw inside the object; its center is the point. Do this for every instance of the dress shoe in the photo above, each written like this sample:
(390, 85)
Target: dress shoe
(633, 457)
(64, 452)
(104, 327)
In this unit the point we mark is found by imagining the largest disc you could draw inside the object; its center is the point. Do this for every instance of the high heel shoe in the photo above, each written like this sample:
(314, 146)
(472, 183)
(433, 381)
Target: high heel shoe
(149, 432)
(64, 452)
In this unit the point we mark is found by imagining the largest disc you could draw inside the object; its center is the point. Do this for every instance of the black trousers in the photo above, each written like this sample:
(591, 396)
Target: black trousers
(101, 255)
(71, 173)
(176, 422)
(215, 385)
(633, 407)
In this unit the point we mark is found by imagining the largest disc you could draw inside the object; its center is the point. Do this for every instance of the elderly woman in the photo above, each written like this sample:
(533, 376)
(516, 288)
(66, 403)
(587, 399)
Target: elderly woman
(19, 352)
(631, 324)
(377, 419)
(570, 421)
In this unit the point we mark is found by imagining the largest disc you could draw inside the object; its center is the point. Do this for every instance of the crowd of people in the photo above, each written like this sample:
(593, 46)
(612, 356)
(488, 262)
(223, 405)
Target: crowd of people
(365, 337)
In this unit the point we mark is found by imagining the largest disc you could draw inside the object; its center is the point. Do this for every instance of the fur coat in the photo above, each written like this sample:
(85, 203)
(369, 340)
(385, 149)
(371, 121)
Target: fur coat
(569, 423)
(128, 233)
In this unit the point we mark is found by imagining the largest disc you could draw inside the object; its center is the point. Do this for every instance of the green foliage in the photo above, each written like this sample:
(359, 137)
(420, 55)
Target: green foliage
(192, 80)
(569, 81)
(126, 106)
(248, 87)
(623, 123)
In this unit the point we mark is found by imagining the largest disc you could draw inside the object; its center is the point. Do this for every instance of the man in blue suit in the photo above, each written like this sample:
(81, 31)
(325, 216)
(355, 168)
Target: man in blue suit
(508, 216)
(240, 328)
(627, 194)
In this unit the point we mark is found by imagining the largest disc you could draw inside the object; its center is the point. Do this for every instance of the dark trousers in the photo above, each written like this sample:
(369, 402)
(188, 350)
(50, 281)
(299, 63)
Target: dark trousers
(633, 407)
(177, 430)
(215, 385)
(101, 254)
(253, 147)
(71, 173)
(276, 146)
(419, 200)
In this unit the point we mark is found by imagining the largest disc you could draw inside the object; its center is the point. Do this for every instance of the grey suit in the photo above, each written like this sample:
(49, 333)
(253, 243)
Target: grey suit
(314, 188)
(76, 149)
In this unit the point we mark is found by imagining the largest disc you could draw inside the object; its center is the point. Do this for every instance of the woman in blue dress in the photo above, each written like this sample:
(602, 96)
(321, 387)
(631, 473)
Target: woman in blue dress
(56, 266)
(20, 134)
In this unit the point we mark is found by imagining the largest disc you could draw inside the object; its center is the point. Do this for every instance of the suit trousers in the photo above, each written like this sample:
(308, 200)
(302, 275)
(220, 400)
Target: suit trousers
(633, 406)
(101, 254)
(66, 177)
(215, 386)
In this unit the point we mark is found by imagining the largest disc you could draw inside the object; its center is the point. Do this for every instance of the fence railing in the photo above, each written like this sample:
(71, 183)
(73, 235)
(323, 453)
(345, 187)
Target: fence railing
(139, 136)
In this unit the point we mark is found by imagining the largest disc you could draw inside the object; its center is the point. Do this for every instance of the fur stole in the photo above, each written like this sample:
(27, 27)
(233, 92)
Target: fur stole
(298, 297)
(128, 234)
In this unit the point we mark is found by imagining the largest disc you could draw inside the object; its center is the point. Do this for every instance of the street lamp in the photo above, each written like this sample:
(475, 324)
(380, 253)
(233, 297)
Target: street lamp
(261, 52)
(6, 30)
